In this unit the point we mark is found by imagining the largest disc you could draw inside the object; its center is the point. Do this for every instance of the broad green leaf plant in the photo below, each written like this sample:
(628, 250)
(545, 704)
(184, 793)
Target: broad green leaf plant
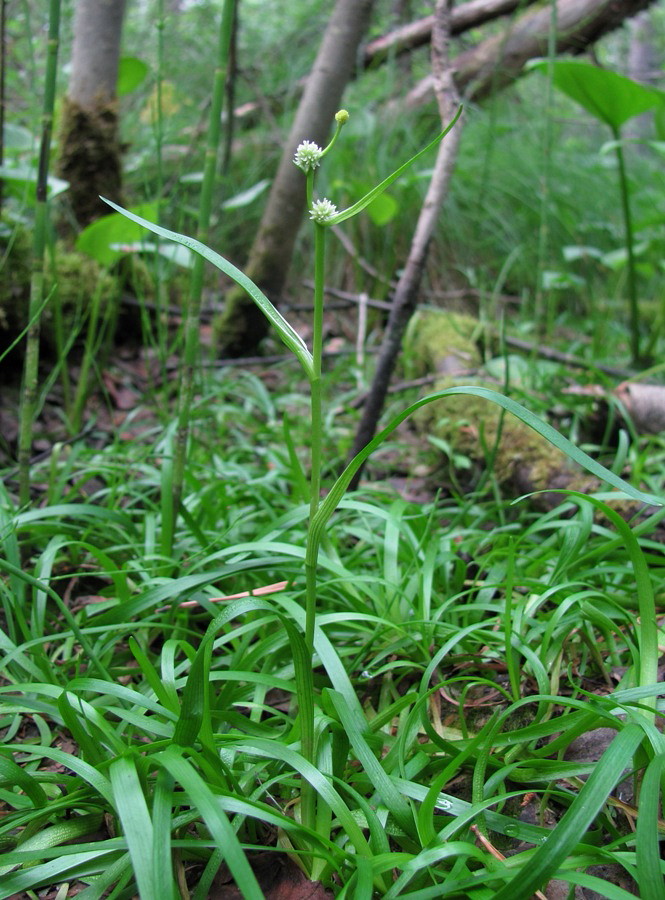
(318, 800)
(612, 99)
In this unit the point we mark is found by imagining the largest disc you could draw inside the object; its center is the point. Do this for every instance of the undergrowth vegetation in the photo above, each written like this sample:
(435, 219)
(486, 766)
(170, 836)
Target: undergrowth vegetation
(472, 663)
(269, 678)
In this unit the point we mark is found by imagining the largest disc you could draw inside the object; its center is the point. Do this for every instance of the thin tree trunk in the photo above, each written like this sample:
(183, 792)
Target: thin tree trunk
(242, 325)
(90, 157)
(406, 294)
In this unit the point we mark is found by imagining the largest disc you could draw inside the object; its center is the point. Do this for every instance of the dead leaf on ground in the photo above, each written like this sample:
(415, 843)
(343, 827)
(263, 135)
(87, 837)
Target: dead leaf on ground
(278, 877)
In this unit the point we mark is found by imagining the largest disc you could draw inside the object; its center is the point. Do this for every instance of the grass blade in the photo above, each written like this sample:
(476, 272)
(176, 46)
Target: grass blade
(288, 335)
(132, 809)
(574, 824)
(203, 799)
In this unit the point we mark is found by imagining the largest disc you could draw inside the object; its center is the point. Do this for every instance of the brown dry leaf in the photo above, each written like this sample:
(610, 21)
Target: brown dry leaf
(278, 877)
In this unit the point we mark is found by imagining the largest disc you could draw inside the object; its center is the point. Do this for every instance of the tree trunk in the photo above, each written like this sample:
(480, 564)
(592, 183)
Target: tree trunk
(90, 157)
(241, 326)
(406, 294)
(643, 66)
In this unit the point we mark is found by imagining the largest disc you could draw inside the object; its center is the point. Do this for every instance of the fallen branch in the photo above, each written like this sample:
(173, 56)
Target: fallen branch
(418, 34)
(500, 60)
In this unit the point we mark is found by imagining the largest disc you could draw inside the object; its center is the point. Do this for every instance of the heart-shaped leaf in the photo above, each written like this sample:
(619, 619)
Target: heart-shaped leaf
(607, 96)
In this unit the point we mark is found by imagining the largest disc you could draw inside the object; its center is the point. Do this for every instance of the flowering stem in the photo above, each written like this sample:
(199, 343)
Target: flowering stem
(307, 737)
(317, 353)
(310, 188)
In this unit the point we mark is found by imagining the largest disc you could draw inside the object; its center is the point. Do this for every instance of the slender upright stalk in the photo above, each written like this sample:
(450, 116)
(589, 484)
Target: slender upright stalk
(307, 738)
(193, 306)
(545, 312)
(3, 72)
(31, 363)
(630, 249)
(315, 386)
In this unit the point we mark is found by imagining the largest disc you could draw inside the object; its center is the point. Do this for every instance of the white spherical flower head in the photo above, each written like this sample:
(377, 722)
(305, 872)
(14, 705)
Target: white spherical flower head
(322, 211)
(308, 156)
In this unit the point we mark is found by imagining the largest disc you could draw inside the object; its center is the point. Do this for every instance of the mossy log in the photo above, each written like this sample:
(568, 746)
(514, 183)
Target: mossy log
(72, 279)
(523, 462)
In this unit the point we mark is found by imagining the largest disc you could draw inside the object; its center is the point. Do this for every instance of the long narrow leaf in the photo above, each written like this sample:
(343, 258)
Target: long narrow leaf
(647, 845)
(396, 803)
(132, 810)
(272, 750)
(288, 335)
(380, 188)
(581, 813)
(203, 799)
(329, 505)
(12, 774)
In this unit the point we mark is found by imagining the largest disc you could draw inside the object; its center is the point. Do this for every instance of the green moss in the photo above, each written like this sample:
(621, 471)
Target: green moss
(90, 158)
(474, 427)
(72, 280)
(75, 280)
(434, 335)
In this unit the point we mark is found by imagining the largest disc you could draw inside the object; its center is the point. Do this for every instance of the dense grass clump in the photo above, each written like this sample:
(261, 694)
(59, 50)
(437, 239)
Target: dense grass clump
(471, 663)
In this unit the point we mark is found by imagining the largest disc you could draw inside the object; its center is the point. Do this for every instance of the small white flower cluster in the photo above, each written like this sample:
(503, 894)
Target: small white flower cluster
(322, 211)
(308, 156)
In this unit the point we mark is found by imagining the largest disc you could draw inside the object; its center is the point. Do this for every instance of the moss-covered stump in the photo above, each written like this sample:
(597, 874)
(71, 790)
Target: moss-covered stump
(521, 459)
(90, 158)
(73, 281)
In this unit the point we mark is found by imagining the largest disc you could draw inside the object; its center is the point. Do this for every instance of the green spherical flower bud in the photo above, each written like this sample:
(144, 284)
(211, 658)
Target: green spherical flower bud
(342, 117)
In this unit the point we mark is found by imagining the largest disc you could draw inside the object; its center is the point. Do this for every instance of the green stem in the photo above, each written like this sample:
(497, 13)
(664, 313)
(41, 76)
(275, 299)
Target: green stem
(193, 305)
(545, 306)
(307, 737)
(317, 354)
(316, 430)
(630, 250)
(161, 331)
(31, 363)
(90, 351)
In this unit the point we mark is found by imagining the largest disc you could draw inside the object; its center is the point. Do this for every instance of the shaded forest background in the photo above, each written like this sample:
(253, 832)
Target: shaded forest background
(530, 185)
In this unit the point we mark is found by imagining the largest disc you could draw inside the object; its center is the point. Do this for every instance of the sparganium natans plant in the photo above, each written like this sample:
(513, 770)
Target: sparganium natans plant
(324, 213)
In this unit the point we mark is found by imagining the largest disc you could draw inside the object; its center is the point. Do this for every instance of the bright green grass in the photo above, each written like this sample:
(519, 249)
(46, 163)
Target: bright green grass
(121, 771)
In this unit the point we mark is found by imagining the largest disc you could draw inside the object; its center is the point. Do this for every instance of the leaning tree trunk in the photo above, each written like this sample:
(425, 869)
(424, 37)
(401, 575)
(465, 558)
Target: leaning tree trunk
(90, 157)
(406, 38)
(242, 325)
(408, 287)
